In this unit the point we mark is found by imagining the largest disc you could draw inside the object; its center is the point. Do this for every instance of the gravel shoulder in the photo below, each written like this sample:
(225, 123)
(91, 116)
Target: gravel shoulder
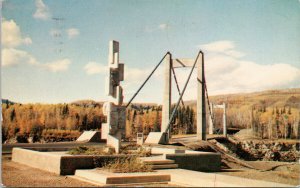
(280, 172)
(17, 175)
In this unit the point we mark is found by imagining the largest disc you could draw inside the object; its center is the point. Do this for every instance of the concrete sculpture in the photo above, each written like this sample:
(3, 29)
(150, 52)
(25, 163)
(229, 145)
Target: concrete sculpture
(113, 109)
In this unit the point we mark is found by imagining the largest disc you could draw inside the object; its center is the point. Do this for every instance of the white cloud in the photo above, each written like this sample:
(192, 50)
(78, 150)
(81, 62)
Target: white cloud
(218, 46)
(250, 76)
(72, 33)
(12, 38)
(57, 66)
(135, 75)
(11, 34)
(11, 56)
(42, 11)
(229, 73)
(224, 47)
(95, 68)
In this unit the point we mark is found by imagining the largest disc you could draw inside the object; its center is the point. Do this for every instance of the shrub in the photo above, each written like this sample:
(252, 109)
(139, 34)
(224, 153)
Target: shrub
(128, 165)
(136, 150)
(83, 150)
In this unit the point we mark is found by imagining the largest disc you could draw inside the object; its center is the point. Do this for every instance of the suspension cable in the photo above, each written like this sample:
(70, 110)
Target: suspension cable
(209, 107)
(146, 79)
(178, 89)
(177, 104)
(210, 110)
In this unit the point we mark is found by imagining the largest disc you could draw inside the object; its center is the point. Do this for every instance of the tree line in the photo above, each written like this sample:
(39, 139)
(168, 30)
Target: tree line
(22, 121)
(65, 122)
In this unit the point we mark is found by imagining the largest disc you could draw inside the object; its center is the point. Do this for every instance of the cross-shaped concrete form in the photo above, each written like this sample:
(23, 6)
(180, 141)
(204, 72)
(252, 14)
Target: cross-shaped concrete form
(169, 62)
(113, 109)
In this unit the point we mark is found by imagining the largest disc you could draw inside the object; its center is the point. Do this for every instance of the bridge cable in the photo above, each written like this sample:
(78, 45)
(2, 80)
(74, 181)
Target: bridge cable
(209, 107)
(146, 79)
(210, 110)
(177, 104)
(178, 89)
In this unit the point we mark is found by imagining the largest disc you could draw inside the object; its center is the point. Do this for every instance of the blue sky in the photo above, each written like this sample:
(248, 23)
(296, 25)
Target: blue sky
(249, 46)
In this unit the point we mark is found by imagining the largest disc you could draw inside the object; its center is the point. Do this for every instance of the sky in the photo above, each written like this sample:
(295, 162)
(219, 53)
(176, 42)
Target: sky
(57, 51)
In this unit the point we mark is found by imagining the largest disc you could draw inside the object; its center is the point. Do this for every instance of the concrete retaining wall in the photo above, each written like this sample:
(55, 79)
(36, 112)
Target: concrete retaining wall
(41, 160)
(70, 163)
(60, 163)
(210, 162)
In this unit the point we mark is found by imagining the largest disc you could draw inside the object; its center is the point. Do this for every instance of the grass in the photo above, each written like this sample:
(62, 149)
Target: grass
(83, 150)
(130, 163)
(136, 150)
(130, 149)
(127, 165)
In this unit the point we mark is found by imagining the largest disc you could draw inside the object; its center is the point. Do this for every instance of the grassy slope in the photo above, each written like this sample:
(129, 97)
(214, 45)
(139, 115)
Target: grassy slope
(272, 98)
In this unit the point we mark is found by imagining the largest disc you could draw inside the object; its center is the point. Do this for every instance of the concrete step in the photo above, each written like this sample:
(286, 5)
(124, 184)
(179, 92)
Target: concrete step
(158, 162)
(164, 166)
(97, 176)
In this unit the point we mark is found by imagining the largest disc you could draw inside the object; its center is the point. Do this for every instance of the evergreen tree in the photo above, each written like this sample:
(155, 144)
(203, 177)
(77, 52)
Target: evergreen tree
(65, 110)
(156, 123)
(289, 111)
(283, 111)
(12, 115)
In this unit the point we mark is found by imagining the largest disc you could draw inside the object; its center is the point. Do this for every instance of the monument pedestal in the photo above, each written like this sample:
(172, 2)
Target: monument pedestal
(157, 138)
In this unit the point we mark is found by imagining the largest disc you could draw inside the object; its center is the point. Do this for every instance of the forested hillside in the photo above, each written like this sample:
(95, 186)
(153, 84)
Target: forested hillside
(271, 114)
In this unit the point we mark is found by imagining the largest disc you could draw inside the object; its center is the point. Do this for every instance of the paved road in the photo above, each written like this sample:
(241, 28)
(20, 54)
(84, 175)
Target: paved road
(55, 146)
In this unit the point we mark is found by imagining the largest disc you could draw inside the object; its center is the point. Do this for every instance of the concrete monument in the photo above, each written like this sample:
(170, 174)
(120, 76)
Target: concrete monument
(113, 109)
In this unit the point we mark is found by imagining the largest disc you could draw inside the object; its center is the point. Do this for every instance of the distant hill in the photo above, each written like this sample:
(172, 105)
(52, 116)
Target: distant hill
(269, 98)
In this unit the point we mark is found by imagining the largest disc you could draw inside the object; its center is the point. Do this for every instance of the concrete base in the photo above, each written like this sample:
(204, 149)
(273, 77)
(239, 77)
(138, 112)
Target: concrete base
(191, 160)
(188, 178)
(105, 177)
(89, 136)
(157, 138)
(104, 130)
(114, 141)
(198, 162)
